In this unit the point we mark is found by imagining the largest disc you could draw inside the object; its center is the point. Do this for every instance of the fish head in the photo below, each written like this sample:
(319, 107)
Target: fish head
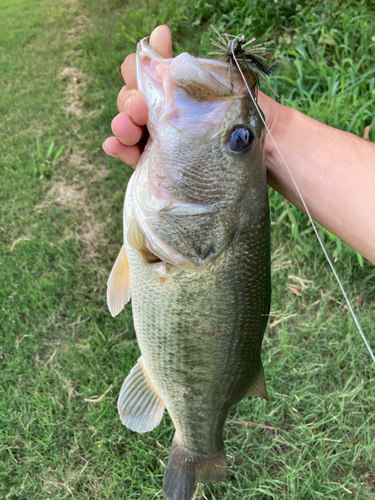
(190, 103)
(204, 158)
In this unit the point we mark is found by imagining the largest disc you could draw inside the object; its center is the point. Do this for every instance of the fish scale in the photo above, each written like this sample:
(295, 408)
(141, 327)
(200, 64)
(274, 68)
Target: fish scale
(196, 262)
(210, 363)
(197, 180)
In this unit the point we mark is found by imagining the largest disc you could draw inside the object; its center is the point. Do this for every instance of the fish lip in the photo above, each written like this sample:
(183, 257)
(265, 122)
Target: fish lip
(144, 50)
(144, 44)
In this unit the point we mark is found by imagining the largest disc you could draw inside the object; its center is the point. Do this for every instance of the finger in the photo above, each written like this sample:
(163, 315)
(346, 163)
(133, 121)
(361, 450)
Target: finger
(127, 154)
(125, 130)
(128, 72)
(134, 104)
(161, 41)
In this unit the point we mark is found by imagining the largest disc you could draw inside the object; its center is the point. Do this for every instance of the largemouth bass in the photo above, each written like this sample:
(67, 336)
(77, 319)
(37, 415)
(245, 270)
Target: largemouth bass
(195, 261)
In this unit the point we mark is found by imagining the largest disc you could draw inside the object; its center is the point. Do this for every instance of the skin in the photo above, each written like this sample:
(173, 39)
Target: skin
(334, 170)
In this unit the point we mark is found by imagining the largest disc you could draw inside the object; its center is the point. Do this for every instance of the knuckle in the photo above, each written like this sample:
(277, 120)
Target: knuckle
(121, 99)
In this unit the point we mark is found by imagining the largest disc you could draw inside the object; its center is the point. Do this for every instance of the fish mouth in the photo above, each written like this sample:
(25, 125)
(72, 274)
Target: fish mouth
(191, 95)
(202, 79)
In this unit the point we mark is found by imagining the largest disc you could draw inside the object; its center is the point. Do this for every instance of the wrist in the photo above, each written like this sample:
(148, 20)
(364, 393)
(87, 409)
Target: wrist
(279, 120)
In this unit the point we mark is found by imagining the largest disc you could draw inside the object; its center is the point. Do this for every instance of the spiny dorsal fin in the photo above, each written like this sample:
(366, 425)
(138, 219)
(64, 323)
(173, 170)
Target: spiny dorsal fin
(258, 387)
(118, 285)
(139, 405)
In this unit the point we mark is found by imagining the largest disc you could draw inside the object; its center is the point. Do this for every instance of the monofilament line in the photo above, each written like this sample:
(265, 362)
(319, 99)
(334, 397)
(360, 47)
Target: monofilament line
(307, 211)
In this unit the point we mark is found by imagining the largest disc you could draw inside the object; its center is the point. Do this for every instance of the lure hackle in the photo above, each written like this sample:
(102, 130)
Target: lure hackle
(247, 55)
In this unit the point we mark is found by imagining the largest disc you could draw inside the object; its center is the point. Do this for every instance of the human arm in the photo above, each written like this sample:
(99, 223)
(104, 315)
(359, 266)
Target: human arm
(334, 170)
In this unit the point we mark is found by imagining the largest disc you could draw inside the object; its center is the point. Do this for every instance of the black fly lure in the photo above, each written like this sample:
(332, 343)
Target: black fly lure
(248, 57)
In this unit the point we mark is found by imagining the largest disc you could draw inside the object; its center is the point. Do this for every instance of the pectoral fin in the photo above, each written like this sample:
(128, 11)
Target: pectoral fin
(137, 240)
(139, 405)
(118, 285)
(258, 387)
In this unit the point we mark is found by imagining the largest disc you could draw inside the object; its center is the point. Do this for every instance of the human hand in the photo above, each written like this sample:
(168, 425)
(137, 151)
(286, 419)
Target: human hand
(129, 125)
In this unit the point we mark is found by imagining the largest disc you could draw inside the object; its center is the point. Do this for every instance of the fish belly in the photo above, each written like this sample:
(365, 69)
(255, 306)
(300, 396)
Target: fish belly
(200, 334)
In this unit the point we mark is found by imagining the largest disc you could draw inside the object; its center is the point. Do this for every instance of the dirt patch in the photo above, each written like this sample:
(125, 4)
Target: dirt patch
(77, 160)
(74, 102)
(68, 196)
(81, 23)
(88, 231)
(74, 197)
(74, 91)
(90, 235)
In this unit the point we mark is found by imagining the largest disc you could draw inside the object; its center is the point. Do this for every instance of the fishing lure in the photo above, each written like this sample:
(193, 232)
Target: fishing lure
(247, 56)
(232, 50)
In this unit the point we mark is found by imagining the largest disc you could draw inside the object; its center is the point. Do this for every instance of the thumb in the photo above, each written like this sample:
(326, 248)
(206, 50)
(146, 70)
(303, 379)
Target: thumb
(161, 41)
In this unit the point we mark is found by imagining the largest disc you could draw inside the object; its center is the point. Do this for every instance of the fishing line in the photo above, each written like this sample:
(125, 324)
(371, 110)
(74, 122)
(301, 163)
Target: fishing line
(305, 207)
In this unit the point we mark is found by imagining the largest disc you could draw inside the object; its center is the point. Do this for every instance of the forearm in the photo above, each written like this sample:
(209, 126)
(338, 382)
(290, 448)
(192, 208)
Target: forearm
(334, 170)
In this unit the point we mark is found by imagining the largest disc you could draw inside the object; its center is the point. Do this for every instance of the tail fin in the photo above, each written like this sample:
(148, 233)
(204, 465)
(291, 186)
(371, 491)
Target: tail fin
(185, 470)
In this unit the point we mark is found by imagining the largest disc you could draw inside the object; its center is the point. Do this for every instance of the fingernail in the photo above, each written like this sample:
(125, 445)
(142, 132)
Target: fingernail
(110, 154)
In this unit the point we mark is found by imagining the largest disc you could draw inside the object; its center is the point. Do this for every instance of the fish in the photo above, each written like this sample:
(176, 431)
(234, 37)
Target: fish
(195, 261)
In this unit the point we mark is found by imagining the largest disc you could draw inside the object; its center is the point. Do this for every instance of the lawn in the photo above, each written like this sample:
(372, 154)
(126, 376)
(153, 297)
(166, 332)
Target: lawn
(64, 358)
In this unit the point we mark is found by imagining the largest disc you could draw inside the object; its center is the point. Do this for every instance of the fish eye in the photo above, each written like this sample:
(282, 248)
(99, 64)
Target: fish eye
(240, 138)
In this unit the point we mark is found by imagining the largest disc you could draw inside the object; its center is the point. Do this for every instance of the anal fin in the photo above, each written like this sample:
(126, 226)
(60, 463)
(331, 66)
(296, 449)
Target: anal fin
(258, 387)
(139, 405)
(118, 285)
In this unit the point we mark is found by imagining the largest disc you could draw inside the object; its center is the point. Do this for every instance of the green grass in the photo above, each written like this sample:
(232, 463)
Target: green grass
(61, 232)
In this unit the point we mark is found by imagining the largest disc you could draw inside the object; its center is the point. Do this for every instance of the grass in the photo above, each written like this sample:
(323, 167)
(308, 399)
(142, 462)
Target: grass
(61, 232)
